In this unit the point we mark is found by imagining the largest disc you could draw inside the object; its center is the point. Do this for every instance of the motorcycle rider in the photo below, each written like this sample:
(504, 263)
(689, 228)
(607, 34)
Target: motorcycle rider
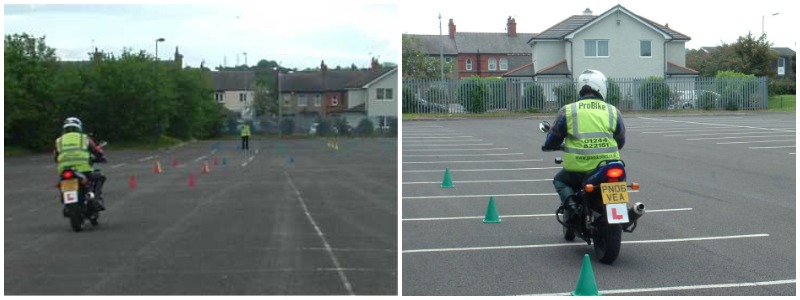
(75, 148)
(593, 130)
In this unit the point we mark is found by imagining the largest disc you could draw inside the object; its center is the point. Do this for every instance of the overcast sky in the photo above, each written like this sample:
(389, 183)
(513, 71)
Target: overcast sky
(708, 23)
(296, 33)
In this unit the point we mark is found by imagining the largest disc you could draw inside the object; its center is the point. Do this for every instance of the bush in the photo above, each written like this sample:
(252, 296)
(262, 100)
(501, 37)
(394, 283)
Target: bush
(654, 93)
(737, 89)
(706, 100)
(612, 93)
(470, 94)
(565, 93)
(365, 127)
(533, 98)
(410, 102)
(340, 125)
(495, 94)
(287, 126)
(782, 87)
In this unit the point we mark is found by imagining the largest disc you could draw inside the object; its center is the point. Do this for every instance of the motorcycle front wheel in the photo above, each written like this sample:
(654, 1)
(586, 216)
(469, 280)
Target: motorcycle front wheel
(607, 243)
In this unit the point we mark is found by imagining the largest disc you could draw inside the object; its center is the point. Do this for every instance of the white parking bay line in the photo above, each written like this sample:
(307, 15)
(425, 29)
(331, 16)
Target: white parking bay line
(481, 181)
(582, 245)
(469, 161)
(717, 133)
(487, 196)
(438, 155)
(448, 145)
(146, 158)
(405, 134)
(750, 142)
(421, 142)
(682, 288)
(479, 170)
(439, 137)
(773, 147)
(200, 158)
(696, 130)
(527, 216)
(737, 137)
(487, 149)
(117, 165)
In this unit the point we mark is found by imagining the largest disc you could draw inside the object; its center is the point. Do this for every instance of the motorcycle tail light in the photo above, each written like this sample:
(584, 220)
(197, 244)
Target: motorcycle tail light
(68, 174)
(614, 173)
(589, 188)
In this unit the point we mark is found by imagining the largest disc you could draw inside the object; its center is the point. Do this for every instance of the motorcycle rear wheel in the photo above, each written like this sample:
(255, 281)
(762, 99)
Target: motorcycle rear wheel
(608, 242)
(75, 216)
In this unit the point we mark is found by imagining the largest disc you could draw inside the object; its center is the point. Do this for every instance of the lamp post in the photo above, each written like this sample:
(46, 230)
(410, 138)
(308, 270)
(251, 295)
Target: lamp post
(157, 41)
(762, 22)
(246, 86)
(280, 110)
(441, 41)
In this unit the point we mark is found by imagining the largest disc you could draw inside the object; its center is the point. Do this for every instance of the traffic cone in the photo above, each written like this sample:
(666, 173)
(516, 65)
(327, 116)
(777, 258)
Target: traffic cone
(447, 182)
(586, 283)
(157, 167)
(206, 169)
(132, 182)
(191, 180)
(491, 213)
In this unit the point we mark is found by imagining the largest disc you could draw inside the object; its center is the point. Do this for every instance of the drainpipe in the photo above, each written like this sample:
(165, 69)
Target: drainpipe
(665, 57)
(571, 63)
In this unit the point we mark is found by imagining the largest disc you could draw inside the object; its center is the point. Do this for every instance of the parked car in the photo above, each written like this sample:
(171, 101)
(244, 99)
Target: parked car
(689, 98)
(313, 129)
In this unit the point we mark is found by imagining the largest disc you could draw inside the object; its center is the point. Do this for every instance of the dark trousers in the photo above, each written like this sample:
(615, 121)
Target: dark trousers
(245, 142)
(566, 183)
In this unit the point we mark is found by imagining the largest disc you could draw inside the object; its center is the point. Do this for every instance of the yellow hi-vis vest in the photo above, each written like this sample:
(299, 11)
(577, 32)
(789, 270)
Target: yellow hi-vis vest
(590, 135)
(245, 130)
(73, 150)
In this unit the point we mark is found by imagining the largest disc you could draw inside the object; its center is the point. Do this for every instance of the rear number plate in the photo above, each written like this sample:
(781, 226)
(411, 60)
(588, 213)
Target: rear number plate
(614, 192)
(69, 189)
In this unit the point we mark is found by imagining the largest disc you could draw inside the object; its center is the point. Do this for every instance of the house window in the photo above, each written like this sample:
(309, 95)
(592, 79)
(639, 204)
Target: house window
(335, 101)
(447, 59)
(286, 98)
(469, 64)
(596, 48)
(492, 64)
(302, 100)
(242, 97)
(781, 66)
(384, 94)
(645, 49)
(504, 64)
(220, 97)
(317, 100)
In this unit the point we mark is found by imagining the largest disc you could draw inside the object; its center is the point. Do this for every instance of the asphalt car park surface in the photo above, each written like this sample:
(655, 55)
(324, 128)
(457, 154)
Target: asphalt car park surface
(719, 191)
(307, 217)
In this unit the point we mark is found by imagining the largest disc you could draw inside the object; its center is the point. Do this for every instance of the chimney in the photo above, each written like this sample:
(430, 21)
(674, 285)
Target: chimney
(587, 12)
(452, 27)
(374, 65)
(511, 26)
(97, 56)
(178, 58)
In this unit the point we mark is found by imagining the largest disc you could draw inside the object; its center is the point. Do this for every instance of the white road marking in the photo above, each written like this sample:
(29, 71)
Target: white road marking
(251, 158)
(713, 124)
(737, 137)
(584, 245)
(683, 287)
(438, 155)
(727, 133)
(468, 161)
(487, 196)
(527, 216)
(479, 170)
(332, 255)
(146, 158)
(200, 158)
(427, 134)
(449, 145)
(696, 130)
(750, 142)
(773, 147)
(421, 142)
(441, 137)
(117, 165)
(487, 149)
(477, 181)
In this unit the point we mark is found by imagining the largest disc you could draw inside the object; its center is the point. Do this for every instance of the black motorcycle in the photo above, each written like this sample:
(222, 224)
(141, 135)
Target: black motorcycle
(79, 195)
(601, 214)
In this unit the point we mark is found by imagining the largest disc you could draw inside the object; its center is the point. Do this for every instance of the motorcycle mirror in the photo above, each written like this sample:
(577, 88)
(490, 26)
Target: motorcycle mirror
(544, 126)
(559, 160)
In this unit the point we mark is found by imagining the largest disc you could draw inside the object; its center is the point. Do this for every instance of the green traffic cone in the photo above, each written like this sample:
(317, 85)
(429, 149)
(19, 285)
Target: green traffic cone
(586, 284)
(447, 182)
(491, 213)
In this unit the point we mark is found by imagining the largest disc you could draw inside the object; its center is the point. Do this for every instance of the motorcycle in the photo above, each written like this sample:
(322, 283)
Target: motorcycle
(601, 213)
(78, 196)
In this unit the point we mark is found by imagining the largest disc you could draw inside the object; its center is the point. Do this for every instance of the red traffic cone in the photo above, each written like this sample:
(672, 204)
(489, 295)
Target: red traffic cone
(191, 180)
(132, 182)
(206, 169)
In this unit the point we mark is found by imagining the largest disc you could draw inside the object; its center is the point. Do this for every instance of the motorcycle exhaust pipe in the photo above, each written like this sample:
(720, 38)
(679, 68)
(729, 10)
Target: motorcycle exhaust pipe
(634, 213)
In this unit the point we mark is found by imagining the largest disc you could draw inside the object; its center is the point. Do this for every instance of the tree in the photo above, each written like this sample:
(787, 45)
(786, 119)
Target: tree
(419, 65)
(747, 55)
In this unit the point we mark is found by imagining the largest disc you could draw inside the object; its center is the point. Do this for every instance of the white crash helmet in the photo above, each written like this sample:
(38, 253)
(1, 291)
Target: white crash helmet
(73, 122)
(595, 80)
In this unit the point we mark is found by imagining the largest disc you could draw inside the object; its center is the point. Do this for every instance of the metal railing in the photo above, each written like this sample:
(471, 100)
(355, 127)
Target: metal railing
(471, 95)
